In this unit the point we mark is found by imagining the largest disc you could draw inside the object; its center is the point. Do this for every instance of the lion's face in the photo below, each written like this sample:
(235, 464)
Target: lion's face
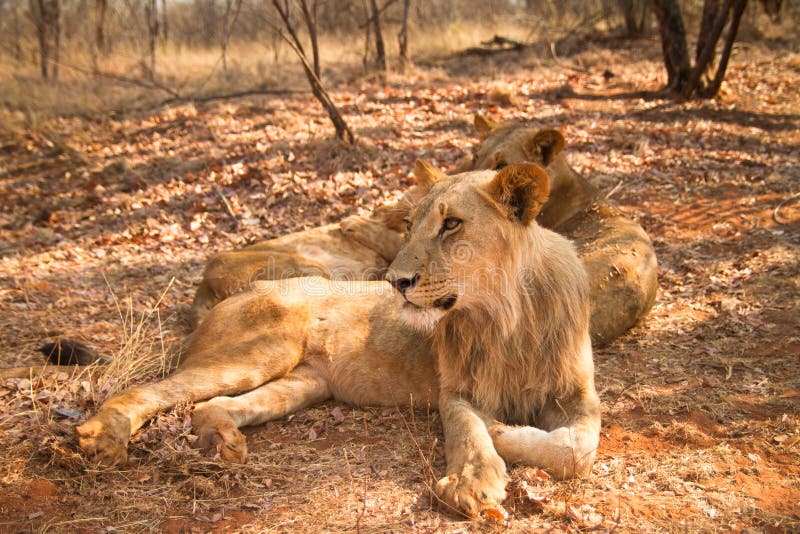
(508, 144)
(459, 238)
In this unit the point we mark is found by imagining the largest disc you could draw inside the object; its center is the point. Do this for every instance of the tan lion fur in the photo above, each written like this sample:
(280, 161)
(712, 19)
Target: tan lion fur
(504, 342)
(616, 251)
(357, 248)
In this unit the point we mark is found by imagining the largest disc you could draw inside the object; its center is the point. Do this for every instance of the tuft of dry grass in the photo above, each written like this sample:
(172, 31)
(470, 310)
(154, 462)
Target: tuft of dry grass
(146, 350)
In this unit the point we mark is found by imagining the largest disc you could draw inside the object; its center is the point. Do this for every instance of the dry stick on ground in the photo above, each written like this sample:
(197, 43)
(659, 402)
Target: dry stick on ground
(343, 131)
(228, 208)
(776, 213)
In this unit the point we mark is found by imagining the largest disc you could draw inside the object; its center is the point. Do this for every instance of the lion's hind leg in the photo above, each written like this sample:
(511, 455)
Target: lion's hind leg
(216, 421)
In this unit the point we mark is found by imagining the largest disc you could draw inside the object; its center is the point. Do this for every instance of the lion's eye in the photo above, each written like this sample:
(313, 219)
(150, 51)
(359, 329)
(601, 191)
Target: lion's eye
(499, 165)
(408, 225)
(450, 223)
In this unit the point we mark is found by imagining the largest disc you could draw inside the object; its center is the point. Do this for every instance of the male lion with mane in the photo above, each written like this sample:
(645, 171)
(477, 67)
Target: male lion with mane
(617, 253)
(488, 321)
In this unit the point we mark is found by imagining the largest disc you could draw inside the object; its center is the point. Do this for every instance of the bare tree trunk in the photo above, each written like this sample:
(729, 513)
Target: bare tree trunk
(711, 10)
(164, 22)
(712, 89)
(380, 50)
(402, 37)
(40, 17)
(310, 18)
(56, 23)
(17, 36)
(151, 16)
(224, 42)
(684, 80)
(705, 55)
(633, 13)
(673, 43)
(100, 8)
(367, 38)
(343, 131)
(228, 23)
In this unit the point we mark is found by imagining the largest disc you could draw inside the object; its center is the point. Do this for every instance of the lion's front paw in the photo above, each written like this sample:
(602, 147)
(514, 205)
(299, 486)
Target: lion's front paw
(218, 434)
(478, 487)
(104, 437)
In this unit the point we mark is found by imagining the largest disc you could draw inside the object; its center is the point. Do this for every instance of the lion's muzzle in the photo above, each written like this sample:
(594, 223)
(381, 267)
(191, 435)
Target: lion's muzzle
(401, 281)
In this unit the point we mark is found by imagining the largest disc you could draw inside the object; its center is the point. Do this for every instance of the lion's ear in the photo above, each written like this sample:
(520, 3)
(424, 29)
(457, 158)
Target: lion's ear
(426, 175)
(483, 125)
(522, 189)
(545, 146)
(393, 215)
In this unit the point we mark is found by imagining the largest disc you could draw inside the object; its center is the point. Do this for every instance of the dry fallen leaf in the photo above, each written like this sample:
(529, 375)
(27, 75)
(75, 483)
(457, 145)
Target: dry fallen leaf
(338, 415)
(497, 513)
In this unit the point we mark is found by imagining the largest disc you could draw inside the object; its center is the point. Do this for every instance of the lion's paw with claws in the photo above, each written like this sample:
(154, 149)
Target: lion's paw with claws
(104, 437)
(479, 487)
(218, 434)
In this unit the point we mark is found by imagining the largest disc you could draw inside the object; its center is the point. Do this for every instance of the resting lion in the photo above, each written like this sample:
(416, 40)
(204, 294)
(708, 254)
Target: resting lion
(488, 321)
(617, 254)
(357, 248)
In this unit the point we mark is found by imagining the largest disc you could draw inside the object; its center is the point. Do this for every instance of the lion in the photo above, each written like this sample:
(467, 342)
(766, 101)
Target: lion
(484, 315)
(356, 248)
(616, 251)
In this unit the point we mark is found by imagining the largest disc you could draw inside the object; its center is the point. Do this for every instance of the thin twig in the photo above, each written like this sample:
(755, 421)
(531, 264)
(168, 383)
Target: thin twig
(776, 213)
(614, 189)
(228, 208)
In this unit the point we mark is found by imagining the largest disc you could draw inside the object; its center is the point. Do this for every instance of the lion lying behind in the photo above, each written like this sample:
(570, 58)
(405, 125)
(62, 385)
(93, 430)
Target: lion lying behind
(617, 253)
(488, 321)
(356, 248)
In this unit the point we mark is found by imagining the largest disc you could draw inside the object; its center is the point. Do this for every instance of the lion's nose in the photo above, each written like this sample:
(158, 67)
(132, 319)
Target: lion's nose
(401, 283)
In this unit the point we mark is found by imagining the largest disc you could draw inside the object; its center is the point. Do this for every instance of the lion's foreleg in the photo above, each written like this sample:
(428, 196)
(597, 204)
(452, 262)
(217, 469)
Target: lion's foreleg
(565, 451)
(476, 474)
(216, 421)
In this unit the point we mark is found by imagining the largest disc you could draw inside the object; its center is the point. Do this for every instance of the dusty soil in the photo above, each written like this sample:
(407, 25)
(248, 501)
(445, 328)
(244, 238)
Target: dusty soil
(105, 224)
